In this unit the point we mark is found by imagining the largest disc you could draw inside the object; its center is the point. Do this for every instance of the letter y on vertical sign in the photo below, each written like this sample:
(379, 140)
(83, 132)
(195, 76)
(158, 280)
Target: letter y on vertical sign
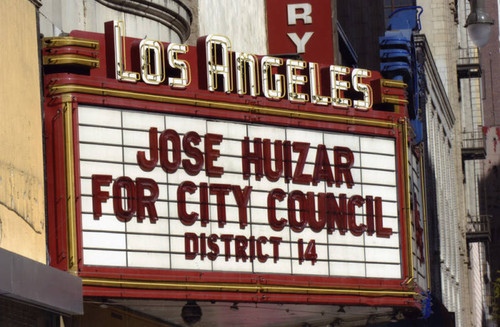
(300, 43)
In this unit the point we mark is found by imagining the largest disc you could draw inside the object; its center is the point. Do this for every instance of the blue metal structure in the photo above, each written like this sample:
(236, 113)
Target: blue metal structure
(400, 61)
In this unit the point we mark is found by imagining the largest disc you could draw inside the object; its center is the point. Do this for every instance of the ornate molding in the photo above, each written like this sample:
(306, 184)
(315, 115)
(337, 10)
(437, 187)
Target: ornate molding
(434, 81)
(154, 11)
(36, 3)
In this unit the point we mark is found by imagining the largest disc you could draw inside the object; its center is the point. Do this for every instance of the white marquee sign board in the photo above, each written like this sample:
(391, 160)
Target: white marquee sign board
(223, 196)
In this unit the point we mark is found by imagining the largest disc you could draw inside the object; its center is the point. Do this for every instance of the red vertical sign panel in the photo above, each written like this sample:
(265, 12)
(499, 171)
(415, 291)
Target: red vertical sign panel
(303, 27)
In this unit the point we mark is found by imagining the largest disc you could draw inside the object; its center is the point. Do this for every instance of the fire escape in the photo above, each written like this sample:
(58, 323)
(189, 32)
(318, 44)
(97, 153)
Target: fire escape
(478, 228)
(473, 142)
(468, 65)
(473, 145)
(474, 148)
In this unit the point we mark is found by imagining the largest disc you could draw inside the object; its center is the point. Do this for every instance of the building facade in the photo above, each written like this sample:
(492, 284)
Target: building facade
(489, 179)
(31, 291)
(146, 170)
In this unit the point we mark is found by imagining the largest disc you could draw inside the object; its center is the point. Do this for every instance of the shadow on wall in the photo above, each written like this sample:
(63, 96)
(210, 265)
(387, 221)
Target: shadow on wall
(433, 227)
(490, 200)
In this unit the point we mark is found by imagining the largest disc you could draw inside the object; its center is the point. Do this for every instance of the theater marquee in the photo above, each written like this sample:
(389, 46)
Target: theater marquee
(199, 168)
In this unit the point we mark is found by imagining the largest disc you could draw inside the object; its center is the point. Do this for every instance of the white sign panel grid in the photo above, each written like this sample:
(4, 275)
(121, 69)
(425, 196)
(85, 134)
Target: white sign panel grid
(222, 218)
(418, 223)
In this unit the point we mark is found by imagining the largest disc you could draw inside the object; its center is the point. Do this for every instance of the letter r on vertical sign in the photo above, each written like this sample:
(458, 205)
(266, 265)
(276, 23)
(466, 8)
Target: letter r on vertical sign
(304, 14)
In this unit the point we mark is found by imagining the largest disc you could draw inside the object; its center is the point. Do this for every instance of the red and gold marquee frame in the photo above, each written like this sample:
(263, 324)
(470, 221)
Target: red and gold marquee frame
(91, 78)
